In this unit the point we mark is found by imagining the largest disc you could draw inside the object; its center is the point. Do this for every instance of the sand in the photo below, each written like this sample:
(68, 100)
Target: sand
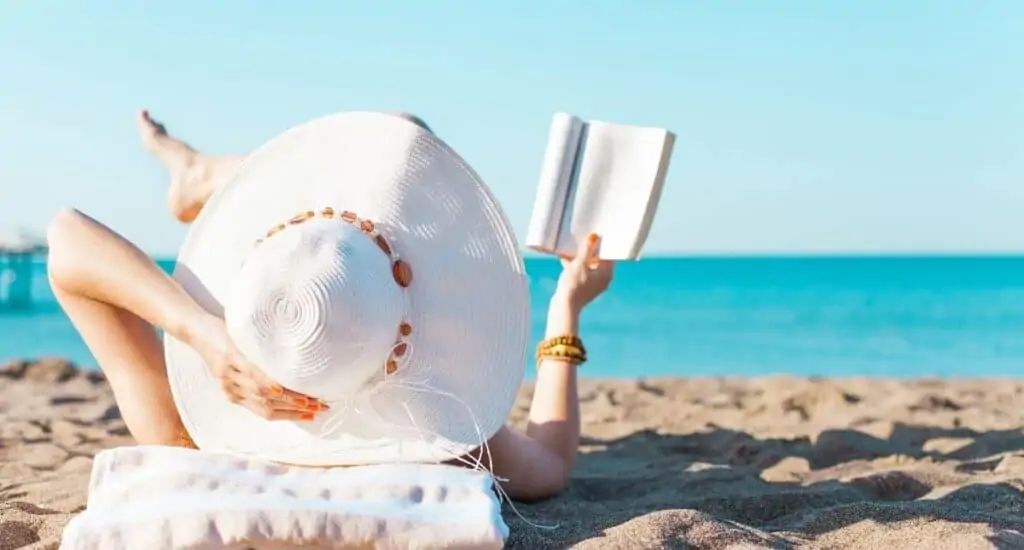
(666, 463)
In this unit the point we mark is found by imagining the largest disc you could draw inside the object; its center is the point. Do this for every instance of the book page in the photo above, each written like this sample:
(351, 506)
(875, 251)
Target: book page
(553, 186)
(618, 185)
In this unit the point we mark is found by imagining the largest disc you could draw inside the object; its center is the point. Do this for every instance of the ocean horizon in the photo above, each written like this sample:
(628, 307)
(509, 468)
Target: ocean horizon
(702, 315)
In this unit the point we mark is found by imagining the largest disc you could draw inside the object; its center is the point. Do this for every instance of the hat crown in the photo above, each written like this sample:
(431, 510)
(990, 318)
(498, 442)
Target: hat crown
(316, 308)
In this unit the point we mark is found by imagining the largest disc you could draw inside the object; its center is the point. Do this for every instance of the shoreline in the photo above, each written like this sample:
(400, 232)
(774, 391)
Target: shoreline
(765, 462)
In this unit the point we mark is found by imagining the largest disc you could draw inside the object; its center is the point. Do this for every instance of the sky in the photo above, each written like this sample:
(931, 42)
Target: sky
(802, 127)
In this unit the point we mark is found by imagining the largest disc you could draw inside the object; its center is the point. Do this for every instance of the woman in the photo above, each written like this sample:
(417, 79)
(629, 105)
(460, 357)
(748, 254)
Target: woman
(118, 299)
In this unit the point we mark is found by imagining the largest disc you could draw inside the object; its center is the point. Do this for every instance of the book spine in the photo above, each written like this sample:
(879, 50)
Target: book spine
(554, 184)
(565, 241)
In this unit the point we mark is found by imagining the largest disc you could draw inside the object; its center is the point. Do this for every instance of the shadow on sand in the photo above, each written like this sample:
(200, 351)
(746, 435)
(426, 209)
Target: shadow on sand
(721, 487)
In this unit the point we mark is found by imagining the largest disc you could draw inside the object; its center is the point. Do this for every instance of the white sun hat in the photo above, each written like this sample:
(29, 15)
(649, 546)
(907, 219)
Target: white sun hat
(359, 260)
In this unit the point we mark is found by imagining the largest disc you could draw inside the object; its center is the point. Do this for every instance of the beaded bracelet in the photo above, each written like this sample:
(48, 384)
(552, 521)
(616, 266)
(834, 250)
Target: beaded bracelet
(566, 343)
(568, 348)
(567, 340)
(573, 357)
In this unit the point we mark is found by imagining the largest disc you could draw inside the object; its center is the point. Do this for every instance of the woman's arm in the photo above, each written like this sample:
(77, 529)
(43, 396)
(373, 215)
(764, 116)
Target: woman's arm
(90, 261)
(538, 464)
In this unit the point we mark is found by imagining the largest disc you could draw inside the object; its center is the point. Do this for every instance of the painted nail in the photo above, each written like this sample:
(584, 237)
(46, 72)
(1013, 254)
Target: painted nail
(307, 416)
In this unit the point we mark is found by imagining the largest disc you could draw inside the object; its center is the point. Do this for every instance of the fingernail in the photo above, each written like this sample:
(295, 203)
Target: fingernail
(592, 238)
(307, 416)
(278, 390)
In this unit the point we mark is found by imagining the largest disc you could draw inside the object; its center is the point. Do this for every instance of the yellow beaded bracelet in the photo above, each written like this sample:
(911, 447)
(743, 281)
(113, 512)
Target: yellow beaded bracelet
(567, 340)
(562, 348)
(563, 351)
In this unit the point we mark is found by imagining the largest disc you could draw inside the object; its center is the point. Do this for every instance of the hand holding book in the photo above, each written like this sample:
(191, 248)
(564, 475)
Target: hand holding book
(584, 275)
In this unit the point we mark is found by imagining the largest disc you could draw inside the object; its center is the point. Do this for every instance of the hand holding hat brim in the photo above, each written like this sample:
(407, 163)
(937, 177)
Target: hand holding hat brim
(243, 382)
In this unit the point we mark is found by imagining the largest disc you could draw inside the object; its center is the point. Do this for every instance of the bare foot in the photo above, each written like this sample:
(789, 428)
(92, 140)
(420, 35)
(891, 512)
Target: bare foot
(192, 172)
(195, 175)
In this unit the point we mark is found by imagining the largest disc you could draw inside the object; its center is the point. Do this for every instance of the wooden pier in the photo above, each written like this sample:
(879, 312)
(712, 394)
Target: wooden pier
(18, 254)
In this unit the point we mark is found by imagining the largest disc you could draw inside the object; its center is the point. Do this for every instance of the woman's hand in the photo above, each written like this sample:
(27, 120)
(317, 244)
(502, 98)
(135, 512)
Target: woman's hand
(584, 277)
(244, 383)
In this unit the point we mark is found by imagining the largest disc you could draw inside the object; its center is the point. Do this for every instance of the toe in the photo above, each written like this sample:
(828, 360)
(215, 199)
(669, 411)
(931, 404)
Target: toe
(148, 125)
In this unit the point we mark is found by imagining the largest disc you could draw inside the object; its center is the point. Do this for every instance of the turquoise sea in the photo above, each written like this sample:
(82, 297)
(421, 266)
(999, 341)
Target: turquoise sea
(886, 316)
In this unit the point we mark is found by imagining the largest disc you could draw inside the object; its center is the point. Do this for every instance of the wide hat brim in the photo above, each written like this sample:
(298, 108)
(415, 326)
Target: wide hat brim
(469, 301)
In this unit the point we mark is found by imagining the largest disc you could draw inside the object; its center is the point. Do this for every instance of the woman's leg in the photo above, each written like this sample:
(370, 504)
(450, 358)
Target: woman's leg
(126, 346)
(194, 174)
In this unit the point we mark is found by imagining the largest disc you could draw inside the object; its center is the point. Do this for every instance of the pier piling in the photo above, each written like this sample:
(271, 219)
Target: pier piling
(17, 269)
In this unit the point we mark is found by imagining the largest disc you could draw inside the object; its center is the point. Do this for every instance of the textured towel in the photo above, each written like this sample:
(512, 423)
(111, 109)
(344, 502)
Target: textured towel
(158, 498)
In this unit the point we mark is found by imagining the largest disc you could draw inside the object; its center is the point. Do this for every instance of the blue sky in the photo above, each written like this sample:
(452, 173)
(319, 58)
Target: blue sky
(868, 126)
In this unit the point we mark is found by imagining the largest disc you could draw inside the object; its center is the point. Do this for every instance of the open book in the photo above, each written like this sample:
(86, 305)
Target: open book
(602, 178)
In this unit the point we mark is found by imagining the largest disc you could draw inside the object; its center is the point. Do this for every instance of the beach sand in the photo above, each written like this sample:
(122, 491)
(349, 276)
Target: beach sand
(668, 463)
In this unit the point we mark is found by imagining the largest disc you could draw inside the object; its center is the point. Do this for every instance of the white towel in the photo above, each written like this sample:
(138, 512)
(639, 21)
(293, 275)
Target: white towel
(155, 498)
